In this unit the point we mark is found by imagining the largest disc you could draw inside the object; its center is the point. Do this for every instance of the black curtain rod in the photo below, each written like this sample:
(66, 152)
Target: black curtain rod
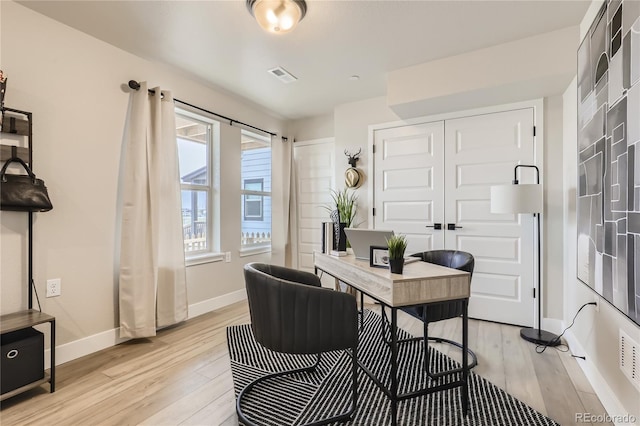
(136, 86)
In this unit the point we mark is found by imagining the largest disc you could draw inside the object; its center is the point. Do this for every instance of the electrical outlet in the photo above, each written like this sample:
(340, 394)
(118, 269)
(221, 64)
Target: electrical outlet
(54, 287)
(227, 257)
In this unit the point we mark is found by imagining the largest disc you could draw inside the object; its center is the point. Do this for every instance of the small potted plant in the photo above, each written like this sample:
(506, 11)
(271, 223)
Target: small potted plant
(397, 244)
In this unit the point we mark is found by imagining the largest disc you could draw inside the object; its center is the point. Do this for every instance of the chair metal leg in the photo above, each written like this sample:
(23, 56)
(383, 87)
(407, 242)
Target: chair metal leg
(426, 356)
(338, 418)
(473, 363)
(463, 347)
(425, 339)
(474, 358)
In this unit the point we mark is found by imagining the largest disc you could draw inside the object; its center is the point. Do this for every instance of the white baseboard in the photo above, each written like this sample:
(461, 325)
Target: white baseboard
(85, 346)
(106, 339)
(609, 401)
(552, 325)
(216, 303)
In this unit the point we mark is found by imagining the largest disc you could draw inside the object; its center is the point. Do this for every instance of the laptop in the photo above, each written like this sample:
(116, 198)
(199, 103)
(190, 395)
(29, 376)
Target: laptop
(362, 239)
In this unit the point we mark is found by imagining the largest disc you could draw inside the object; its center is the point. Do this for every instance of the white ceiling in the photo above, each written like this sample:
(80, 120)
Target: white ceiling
(219, 43)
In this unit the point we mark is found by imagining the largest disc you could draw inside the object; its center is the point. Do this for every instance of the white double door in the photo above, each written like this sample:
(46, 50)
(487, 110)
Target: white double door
(441, 173)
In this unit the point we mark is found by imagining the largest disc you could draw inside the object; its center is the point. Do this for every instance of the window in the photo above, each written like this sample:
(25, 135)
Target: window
(256, 191)
(195, 138)
(253, 203)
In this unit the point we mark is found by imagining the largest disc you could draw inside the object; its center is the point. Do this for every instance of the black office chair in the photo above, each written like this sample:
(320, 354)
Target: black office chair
(454, 259)
(292, 313)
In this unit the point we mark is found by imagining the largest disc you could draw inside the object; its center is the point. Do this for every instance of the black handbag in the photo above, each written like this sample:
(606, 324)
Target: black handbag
(23, 193)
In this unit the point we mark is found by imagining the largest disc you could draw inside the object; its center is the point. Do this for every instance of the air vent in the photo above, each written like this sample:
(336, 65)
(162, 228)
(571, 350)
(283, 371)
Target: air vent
(630, 358)
(282, 75)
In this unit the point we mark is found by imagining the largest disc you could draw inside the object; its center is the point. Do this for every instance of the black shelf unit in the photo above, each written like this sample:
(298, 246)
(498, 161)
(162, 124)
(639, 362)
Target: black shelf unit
(12, 123)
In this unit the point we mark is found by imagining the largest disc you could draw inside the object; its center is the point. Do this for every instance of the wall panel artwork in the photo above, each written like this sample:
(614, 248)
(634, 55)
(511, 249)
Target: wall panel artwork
(609, 156)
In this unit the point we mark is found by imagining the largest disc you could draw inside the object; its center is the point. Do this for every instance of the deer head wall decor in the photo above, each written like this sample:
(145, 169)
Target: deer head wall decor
(353, 176)
(353, 159)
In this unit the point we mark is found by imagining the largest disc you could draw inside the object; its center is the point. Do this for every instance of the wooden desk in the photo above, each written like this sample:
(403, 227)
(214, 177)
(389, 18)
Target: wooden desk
(420, 283)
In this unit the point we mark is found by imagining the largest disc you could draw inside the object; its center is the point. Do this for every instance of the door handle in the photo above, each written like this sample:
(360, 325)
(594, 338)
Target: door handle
(452, 227)
(436, 226)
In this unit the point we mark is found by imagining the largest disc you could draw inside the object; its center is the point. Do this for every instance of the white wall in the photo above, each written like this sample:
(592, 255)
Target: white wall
(528, 68)
(551, 171)
(311, 128)
(595, 334)
(352, 122)
(73, 84)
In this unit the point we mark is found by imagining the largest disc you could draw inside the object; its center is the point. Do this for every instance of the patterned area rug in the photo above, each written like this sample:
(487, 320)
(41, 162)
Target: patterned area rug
(307, 397)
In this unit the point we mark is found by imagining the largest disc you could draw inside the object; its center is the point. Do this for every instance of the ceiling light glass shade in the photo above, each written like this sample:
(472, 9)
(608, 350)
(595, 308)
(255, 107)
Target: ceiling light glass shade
(523, 198)
(277, 16)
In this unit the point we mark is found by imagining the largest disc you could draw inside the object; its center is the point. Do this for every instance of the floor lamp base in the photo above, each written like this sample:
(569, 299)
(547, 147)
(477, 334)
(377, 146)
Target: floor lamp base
(539, 337)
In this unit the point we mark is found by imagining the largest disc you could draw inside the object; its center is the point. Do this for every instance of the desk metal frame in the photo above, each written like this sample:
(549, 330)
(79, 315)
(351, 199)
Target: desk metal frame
(388, 300)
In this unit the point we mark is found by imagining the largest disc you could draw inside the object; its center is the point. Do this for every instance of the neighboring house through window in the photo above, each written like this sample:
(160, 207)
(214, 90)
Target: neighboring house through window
(195, 139)
(256, 192)
(253, 204)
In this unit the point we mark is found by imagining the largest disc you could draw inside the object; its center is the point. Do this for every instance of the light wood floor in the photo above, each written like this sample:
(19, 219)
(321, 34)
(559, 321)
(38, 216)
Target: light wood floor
(183, 377)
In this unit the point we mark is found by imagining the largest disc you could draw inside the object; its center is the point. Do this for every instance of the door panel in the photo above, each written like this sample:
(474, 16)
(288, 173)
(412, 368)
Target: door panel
(314, 179)
(474, 175)
(504, 286)
(481, 151)
(408, 182)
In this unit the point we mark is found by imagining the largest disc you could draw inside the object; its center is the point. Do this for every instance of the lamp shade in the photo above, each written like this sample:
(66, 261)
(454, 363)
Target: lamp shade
(523, 198)
(277, 16)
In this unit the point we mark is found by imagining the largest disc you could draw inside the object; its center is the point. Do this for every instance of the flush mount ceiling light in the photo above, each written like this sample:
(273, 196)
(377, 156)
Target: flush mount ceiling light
(277, 16)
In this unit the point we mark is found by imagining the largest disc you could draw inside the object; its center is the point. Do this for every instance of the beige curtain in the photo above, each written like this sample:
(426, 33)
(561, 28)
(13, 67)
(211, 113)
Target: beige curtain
(291, 207)
(152, 280)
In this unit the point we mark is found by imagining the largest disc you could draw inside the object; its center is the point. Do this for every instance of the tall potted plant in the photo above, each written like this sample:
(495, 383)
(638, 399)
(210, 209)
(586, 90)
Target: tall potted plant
(397, 244)
(342, 211)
